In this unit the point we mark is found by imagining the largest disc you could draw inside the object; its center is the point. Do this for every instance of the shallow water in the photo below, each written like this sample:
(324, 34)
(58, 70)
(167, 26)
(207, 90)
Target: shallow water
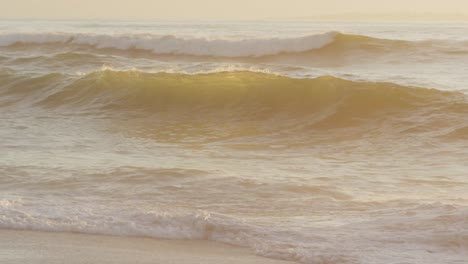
(313, 142)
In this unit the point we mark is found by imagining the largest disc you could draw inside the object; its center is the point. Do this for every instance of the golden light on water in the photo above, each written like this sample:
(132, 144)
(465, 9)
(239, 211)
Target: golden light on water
(310, 131)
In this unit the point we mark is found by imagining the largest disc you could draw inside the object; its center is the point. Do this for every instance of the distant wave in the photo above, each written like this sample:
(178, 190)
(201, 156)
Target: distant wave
(172, 45)
(176, 45)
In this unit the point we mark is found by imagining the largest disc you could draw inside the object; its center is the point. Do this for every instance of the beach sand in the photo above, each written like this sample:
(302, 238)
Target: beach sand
(23, 247)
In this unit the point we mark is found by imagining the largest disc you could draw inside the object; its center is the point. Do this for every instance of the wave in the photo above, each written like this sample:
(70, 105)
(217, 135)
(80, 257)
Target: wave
(173, 45)
(59, 60)
(303, 244)
(176, 45)
(250, 102)
(136, 90)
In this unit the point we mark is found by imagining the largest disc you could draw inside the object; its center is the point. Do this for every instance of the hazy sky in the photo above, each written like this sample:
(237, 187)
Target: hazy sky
(217, 9)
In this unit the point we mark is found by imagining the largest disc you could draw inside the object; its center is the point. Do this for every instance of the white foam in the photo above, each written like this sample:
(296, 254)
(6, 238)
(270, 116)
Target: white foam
(177, 45)
(433, 233)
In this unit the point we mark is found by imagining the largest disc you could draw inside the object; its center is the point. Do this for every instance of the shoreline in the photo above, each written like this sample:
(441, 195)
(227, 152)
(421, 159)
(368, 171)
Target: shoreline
(24, 247)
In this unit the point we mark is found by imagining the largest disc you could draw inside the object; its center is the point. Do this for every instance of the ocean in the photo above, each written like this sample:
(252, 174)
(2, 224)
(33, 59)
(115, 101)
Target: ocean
(316, 142)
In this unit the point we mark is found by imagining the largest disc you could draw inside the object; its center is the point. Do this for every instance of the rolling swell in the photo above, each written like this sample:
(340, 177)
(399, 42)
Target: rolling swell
(174, 45)
(135, 90)
(241, 98)
(243, 48)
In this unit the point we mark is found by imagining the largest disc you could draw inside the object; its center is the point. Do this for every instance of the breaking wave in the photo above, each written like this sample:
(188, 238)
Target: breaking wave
(431, 226)
(250, 102)
(222, 91)
(174, 45)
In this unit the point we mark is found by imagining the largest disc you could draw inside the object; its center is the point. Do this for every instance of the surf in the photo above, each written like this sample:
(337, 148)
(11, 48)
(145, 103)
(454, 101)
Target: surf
(273, 103)
(227, 48)
(137, 90)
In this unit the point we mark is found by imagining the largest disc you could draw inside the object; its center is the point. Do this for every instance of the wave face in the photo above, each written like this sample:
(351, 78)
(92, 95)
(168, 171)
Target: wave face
(275, 102)
(223, 92)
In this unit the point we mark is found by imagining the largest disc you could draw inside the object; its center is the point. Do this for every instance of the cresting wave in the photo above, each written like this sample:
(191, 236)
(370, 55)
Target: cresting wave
(176, 45)
(173, 45)
(136, 90)
(321, 103)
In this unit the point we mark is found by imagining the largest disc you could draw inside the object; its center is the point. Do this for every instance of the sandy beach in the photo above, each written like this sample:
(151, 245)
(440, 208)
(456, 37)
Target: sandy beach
(41, 247)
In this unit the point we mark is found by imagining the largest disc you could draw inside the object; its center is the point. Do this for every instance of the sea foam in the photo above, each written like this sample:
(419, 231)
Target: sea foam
(431, 232)
(177, 45)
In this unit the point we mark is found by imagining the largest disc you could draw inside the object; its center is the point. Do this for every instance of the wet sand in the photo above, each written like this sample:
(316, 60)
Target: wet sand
(23, 247)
